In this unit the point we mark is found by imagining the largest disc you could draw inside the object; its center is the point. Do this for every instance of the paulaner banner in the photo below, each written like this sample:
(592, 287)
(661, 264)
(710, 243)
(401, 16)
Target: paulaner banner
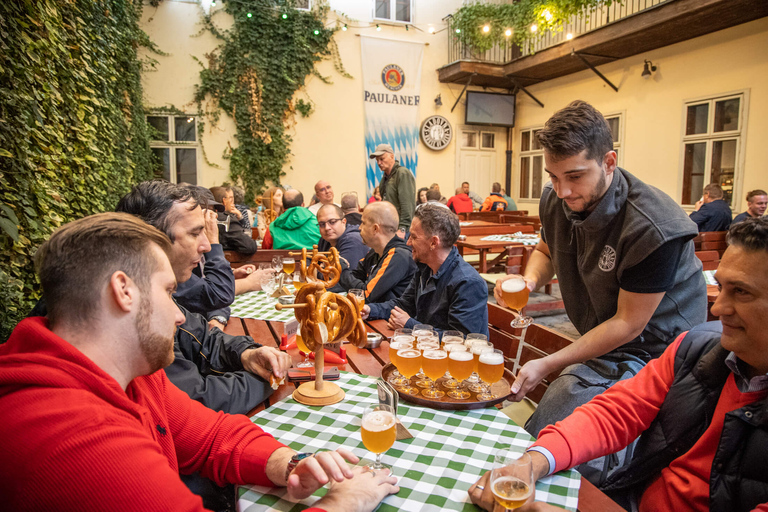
(391, 88)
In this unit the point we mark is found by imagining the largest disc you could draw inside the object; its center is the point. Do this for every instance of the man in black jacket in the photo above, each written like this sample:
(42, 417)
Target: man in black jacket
(712, 213)
(385, 272)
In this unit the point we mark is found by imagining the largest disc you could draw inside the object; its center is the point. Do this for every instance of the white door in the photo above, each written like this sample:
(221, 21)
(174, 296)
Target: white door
(479, 157)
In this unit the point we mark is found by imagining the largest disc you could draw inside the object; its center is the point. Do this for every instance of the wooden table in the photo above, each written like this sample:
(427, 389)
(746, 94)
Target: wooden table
(483, 247)
(370, 362)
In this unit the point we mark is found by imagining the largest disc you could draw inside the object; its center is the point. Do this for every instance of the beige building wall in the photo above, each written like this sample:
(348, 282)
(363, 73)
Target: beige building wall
(728, 61)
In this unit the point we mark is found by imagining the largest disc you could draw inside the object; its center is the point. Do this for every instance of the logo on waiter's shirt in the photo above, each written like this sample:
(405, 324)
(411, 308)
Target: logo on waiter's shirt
(607, 259)
(393, 77)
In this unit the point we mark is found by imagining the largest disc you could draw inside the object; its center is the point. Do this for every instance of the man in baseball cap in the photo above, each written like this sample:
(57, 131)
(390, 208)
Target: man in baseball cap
(398, 186)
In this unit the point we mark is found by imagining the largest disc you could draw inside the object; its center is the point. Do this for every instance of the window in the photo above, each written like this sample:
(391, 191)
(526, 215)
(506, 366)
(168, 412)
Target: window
(304, 5)
(392, 10)
(532, 174)
(487, 140)
(175, 146)
(711, 145)
(468, 140)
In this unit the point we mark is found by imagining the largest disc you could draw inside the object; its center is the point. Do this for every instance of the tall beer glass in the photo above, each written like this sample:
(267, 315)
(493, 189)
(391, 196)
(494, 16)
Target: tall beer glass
(515, 294)
(378, 430)
(409, 362)
(512, 483)
(449, 346)
(490, 369)
(397, 379)
(435, 364)
(460, 365)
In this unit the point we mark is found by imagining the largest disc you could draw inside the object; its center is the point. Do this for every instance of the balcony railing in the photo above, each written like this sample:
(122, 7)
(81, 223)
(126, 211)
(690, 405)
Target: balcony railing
(579, 24)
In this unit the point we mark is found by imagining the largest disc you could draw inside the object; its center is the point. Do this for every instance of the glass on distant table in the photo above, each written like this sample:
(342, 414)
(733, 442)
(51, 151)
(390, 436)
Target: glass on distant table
(359, 297)
(379, 431)
(306, 363)
(515, 294)
(460, 364)
(512, 481)
(277, 263)
(289, 265)
(435, 363)
(409, 362)
(396, 378)
(490, 369)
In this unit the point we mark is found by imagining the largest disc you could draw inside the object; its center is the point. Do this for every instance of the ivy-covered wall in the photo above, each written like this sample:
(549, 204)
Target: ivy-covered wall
(72, 131)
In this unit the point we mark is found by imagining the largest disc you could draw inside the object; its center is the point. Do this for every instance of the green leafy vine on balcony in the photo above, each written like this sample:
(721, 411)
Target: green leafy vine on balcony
(73, 136)
(252, 76)
(513, 21)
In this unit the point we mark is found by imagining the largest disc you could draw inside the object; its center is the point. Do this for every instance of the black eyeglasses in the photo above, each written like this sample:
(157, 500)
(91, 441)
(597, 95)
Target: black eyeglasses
(330, 222)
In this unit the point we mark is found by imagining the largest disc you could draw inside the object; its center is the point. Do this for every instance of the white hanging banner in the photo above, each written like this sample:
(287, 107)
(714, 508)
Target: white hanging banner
(391, 94)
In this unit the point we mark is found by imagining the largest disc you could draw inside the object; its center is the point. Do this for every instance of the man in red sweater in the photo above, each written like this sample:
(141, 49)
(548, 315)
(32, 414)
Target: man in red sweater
(702, 407)
(92, 421)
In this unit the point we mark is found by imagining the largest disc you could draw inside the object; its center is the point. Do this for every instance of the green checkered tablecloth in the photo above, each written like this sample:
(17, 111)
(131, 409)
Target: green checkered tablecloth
(449, 452)
(709, 277)
(260, 306)
(515, 237)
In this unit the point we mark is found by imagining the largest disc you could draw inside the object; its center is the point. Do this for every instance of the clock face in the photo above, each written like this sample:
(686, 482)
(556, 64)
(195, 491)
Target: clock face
(436, 132)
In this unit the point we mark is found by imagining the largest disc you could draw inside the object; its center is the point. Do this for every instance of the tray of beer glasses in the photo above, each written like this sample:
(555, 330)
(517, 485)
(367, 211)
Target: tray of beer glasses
(451, 376)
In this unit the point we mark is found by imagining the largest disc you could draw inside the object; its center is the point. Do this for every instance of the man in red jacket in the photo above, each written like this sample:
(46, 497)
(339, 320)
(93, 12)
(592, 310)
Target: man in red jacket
(95, 423)
(701, 409)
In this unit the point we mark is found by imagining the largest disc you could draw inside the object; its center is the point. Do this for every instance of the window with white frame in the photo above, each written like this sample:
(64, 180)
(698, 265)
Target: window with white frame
(393, 10)
(175, 146)
(532, 174)
(303, 4)
(711, 144)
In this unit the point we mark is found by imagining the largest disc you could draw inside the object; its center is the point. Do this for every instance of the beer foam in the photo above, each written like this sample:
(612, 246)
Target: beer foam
(404, 338)
(435, 354)
(491, 357)
(378, 421)
(409, 352)
(461, 356)
(513, 285)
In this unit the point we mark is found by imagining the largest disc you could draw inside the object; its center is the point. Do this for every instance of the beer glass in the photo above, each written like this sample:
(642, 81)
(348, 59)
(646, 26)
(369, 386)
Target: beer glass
(490, 369)
(435, 363)
(460, 363)
(289, 265)
(409, 362)
(396, 379)
(422, 329)
(449, 346)
(306, 363)
(268, 283)
(515, 294)
(297, 281)
(476, 348)
(512, 481)
(379, 431)
(359, 297)
(423, 343)
(277, 263)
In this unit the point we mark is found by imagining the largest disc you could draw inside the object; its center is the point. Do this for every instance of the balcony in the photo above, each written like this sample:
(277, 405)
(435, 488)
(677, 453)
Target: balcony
(600, 36)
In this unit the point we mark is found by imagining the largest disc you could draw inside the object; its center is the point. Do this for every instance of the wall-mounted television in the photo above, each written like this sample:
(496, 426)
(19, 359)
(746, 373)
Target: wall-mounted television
(490, 109)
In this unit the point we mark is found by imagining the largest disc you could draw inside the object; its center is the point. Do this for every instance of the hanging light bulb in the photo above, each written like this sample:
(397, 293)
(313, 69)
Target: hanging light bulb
(533, 28)
(431, 30)
(378, 28)
(508, 32)
(317, 32)
(249, 15)
(285, 16)
(486, 28)
(344, 28)
(458, 31)
(547, 15)
(569, 36)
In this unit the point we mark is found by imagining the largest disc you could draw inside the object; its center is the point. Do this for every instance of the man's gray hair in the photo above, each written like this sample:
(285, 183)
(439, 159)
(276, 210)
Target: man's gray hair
(437, 220)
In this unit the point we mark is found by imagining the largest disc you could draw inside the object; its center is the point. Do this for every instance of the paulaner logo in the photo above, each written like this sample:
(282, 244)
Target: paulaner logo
(393, 77)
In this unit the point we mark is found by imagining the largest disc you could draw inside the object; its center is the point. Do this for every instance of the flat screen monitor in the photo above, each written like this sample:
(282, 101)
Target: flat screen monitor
(490, 109)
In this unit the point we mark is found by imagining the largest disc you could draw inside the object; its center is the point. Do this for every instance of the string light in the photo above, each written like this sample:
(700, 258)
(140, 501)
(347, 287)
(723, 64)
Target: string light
(431, 30)
(508, 32)
(486, 28)
(317, 32)
(285, 16)
(378, 28)
(533, 28)
(458, 31)
(213, 4)
(569, 36)
(547, 15)
(344, 28)
(249, 15)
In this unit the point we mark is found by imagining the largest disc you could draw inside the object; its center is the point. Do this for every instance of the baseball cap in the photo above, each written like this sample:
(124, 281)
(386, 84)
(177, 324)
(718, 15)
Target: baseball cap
(381, 149)
(208, 195)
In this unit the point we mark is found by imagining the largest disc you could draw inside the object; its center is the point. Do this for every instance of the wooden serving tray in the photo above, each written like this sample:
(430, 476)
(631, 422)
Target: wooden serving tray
(501, 389)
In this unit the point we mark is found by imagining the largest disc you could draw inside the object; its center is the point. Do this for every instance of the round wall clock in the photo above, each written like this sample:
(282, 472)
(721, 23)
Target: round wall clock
(436, 132)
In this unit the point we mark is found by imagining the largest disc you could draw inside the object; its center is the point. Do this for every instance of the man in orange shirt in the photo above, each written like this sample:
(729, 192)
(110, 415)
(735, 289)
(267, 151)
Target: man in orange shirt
(701, 408)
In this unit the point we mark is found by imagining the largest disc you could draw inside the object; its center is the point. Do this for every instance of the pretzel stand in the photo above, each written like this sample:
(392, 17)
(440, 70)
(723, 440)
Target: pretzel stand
(324, 317)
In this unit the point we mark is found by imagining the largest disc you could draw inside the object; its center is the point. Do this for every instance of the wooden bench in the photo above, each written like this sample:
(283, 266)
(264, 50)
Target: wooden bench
(491, 216)
(237, 259)
(709, 259)
(522, 219)
(711, 241)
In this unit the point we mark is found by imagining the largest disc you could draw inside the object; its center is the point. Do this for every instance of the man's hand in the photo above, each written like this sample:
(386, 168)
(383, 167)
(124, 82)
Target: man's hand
(244, 271)
(264, 361)
(497, 289)
(361, 493)
(216, 323)
(365, 312)
(211, 227)
(251, 282)
(698, 205)
(483, 498)
(314, 472)
(529, 376)
(397, 318)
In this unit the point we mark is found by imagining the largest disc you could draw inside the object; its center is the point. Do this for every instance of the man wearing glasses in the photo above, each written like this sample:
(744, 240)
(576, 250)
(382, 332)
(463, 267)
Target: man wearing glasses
(324, 193)
(335, 232)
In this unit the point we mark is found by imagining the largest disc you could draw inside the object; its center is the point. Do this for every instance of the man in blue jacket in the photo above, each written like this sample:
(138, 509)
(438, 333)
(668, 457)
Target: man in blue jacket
(712, 213)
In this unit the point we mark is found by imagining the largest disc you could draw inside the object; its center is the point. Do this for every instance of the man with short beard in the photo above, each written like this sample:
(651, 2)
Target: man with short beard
(624, 258)
(97, 425)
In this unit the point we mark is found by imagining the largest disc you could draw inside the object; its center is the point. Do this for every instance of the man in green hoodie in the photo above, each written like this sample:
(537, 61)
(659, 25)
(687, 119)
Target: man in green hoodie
(297, 227)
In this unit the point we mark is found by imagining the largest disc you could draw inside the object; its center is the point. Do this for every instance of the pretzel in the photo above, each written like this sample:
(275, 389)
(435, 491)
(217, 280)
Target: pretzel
(269, 216)
(327, 265)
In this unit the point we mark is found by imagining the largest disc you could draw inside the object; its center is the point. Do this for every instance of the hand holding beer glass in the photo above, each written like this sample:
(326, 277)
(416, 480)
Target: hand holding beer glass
(379, 431)
(512, 480)
(514, 293)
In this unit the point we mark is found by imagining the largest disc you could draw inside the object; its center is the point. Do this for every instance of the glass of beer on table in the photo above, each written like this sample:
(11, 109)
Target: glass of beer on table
(289, 264)
(460, 364)
(490, 369)
(306, 363)
(512, 480)
(435, 364)
(378, 430)
(515, 293)
(409, 363)
(359, 296)
(297, 281)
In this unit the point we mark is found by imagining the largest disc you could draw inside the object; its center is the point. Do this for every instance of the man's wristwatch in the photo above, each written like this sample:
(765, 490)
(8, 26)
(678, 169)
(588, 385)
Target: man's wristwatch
(297, 457)
(221, 319)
